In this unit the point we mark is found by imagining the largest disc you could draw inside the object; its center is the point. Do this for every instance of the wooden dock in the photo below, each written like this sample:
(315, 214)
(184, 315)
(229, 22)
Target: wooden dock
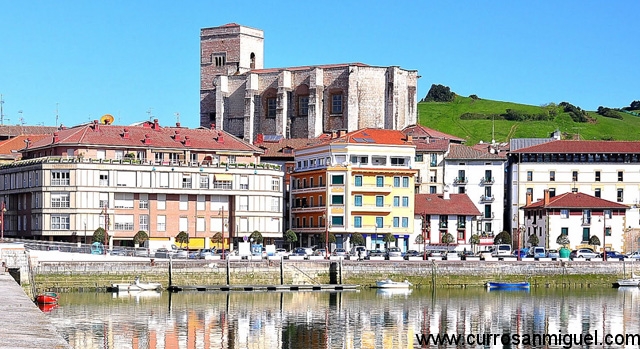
(243, 288)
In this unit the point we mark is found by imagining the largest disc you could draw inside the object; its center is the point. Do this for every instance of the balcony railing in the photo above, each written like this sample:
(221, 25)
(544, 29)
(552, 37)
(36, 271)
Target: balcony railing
(461, 226)
(488, 216)
(487, 180)
(487, 198)
(443, 225)
(460, 180)
(586, 221)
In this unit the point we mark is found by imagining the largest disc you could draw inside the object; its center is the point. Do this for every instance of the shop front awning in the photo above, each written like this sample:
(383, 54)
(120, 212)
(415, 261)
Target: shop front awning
(223, 177)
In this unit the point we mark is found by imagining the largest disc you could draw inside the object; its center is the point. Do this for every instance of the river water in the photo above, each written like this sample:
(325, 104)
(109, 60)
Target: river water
(349, 319)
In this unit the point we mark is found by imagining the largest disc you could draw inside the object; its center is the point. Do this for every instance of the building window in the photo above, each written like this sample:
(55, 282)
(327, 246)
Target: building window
(337, 179)
(60, 222)
(204, 182)
(574, 176)
(123, 222)
(620, 176)
(461, 190)
(275, 184)
(419, 158)
(433, 160)
(396, 222)
(586, 234)
(186, 181)
(336, 103)
(60, 178)
(143, 222)
(337, 199)
(161, 223)
(337, 221)
(565, 231)
(433, 189)
(620, 195)
(271, 107)
(244, 183)
(123, 200)
(552, 176)
(405, 182)
(379, 201)
(552, 192)
(529, 176)
(143, 202)
(358, 181)
(396, 201)
(275, 204)
(379, 181)
(487, 211)
(379, 222)
(60, 200)
(303, 105)
(597, 176)
(405, 222)
(396, 182)
(357, 200)
(243, 203)
(564, 213)
(597, 192)
(405, 201)
(161, 202)
(219, 59)
(357, 222)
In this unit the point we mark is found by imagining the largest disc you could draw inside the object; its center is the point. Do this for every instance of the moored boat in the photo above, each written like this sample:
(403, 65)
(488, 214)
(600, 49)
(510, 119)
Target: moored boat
(499, 285)
(47, 298)
(393, 284)
(633, 281)
(137, 286)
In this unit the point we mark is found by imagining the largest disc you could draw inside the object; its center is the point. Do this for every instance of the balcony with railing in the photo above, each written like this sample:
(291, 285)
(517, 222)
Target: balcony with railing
(586, 221)
(487, 180)
(460, 180)
(443, 225)
(487, 198)
(371, 208)
(309, 228)
(308, 188)
(307, 208)
(461, 225)
(387, 188)
(488, 216)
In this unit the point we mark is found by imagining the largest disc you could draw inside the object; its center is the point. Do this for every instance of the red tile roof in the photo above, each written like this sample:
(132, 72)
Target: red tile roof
(421, 132)
(160, 137)
(15, 130)
(435, 204)
(373, 136)
(576, 201)
(463, 152)
(9, 149)
(277, 149)
(568, 146)
(432, 145)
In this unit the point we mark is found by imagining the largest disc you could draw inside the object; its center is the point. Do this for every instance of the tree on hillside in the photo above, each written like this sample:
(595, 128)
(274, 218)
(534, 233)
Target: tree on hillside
(439, 93)
(502, 238)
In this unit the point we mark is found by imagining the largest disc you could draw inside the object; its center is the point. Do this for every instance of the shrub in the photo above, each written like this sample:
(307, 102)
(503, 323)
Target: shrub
(439, 93)
(608, 113)
(577, 114)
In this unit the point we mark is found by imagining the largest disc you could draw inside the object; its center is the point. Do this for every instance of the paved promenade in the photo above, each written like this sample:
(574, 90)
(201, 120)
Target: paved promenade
(23, 325)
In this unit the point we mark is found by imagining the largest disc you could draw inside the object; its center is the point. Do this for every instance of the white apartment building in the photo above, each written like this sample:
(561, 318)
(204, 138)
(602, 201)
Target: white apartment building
(161, 180)
(480, 175)
(605, 169)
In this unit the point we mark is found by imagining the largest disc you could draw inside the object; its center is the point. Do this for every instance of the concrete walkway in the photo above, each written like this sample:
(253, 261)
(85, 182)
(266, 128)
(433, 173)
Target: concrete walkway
(22, 324)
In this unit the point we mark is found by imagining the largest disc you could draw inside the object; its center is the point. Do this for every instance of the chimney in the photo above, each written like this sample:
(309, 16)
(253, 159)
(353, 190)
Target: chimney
(334, 134)
(220, 138)
(96, 125)
(187, 141)
(147, 139)
(446, 195)
(342, 133)
(146, 125)
(409, 139)
(177, 124)
(125, 134)
(546, 197)
(176, 137)
(156, 125)
(213, 126)
(55, 137)
(259, 138)
(529, 198)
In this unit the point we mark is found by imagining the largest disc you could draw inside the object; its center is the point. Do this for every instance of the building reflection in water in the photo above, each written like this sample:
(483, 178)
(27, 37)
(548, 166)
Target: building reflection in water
(315, 320)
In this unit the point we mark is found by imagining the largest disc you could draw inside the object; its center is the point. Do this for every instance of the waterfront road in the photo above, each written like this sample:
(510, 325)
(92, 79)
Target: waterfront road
(23, 325)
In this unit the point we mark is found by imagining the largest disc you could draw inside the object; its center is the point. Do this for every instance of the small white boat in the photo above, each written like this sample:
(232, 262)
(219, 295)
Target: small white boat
(393, 284)
(137, 286)
(393, 292)
(633, 281)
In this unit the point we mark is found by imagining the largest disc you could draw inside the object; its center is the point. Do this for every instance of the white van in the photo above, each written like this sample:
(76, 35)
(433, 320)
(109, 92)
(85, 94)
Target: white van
(501, 250)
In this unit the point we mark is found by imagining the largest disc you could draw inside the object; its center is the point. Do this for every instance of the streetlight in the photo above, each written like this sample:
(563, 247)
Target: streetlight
(604, 235)
(425, 226)
(326, 236)
(223, 224)
(4, 209)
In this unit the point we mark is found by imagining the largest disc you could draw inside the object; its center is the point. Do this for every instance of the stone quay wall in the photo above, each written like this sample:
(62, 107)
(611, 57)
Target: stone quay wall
(100, 275)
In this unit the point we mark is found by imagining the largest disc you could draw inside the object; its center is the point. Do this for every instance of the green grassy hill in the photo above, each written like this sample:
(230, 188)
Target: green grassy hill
(445, 117)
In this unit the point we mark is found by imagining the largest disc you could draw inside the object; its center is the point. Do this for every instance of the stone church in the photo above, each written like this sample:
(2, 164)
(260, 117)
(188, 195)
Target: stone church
(239, 95)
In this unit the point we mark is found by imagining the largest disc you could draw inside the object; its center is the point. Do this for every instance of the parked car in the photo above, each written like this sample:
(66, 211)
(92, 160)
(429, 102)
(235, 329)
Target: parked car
(182, 254)
(375, 253)
(537, 252)
(118, 252)
(162, 253)
(553, 254)
(583, 253)
(206, 252)
(634, 255)
(281, 252)
(394, 252)
(340, 252)
(412, 253)
(320, 252)
(299, 251)
(614, 255)
(436, 253)
(523, 252)
(141, 252)
(501, 250)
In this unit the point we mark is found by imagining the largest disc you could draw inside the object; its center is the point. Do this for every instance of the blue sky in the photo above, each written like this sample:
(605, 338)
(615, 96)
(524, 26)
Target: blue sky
(140, 59)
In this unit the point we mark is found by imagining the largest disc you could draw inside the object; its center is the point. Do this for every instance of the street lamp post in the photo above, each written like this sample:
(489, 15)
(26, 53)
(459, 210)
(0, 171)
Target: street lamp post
(604, 235)
(222, 213)
(85, 233)
(326, 235)
(425, 226)
(4, 209)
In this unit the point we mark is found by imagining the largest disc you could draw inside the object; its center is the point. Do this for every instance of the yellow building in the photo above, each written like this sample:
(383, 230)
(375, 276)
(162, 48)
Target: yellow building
(357, 182)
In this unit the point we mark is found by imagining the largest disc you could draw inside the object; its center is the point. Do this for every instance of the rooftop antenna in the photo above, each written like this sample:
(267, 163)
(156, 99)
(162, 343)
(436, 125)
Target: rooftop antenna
(149, 113)
(177, 117)
(1, 111)
(56, 115)
(493, 129)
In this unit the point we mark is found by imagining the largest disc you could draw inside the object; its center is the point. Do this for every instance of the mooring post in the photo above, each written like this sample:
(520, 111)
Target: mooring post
(228, 276)
(340, 272)
(281, 271)
(170, 271)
